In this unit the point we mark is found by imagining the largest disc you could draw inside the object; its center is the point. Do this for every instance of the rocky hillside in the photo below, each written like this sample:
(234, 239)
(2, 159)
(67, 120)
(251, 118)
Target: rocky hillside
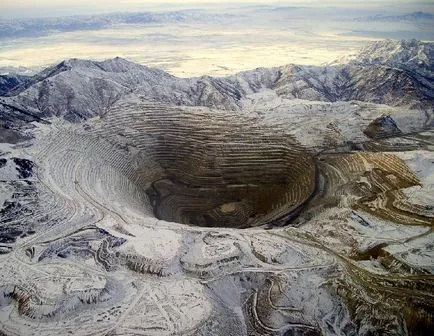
(10, 81)
(397, 73)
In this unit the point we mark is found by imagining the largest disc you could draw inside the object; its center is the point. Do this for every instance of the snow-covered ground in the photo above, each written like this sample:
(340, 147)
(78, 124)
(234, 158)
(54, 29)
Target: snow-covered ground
(102, 147)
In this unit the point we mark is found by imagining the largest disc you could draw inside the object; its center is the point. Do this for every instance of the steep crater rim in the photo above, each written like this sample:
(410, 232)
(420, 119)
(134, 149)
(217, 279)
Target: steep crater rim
(236, 184)
(212, 168)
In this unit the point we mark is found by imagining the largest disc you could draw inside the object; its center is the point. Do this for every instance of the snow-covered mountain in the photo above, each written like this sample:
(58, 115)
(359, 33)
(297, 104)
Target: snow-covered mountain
(397, 73)
(10, 81)
(411, 55)
(79, 89)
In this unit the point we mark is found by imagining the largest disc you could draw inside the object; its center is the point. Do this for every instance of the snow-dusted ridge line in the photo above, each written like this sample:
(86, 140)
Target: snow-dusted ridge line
(80, 89)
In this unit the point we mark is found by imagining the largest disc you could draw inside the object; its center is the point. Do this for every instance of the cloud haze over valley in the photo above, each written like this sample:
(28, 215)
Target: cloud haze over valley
(192, 39)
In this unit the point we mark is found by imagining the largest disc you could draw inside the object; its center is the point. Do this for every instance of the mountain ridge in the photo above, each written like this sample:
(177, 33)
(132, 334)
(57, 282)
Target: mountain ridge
(397, 73)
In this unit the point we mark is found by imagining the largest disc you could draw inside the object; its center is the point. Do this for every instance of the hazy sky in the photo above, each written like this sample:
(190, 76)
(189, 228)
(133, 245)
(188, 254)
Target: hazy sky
(26, 8)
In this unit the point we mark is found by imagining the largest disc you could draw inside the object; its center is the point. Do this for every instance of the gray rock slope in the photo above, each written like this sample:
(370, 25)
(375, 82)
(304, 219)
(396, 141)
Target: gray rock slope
(9, 81)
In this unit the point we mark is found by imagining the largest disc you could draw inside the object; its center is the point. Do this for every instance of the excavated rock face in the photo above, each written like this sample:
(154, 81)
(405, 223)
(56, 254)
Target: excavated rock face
(382, 127)
(217, 173)
(212, 168)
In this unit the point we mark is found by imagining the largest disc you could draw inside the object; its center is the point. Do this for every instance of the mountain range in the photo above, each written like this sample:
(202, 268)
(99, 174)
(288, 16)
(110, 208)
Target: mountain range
(396, 73)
